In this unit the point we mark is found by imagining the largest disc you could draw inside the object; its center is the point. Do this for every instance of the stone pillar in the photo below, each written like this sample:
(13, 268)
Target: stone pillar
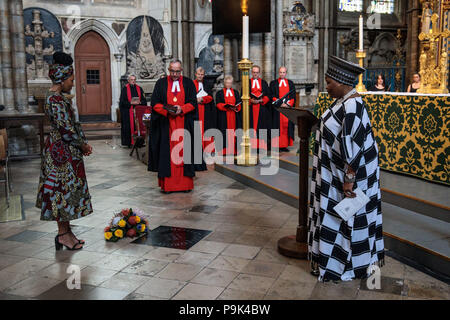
(6, 50)
(186, 39)
(174, 27)
(227, 57)
(18, 57)
(278, 35)
(412, 55)
(268, 54)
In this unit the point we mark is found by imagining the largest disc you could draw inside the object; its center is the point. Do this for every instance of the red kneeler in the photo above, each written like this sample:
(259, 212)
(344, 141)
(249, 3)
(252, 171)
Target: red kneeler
(137, 127)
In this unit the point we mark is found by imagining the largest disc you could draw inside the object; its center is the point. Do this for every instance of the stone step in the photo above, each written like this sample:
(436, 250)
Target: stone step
(427, 198)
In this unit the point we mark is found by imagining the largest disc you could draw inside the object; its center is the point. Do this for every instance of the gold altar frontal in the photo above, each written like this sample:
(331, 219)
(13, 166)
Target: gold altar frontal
(411, 130)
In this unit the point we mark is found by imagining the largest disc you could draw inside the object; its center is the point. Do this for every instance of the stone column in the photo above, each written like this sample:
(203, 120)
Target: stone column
(278, 35)
(6, 50)
(227, 57)
(235, 58)
(18, 57)
(412, 53)
(186, 40)
(174, 27)
(2, 99)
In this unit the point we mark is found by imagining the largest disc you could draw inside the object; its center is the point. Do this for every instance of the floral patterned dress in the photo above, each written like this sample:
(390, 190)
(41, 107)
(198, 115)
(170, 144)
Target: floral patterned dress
(63, 193)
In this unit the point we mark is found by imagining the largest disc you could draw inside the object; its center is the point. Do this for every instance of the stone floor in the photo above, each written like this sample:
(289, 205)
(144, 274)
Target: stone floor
(236, 260)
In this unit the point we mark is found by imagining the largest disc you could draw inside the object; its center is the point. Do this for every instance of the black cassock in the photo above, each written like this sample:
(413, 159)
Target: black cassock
(124, 105)
(222, 123)
(159, 146)
(274, 89)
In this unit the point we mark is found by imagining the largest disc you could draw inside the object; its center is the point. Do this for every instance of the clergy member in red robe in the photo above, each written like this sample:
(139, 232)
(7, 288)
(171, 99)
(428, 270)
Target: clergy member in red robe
(279, 88)
(228, 102)
(260, 110)
(206, 108)
(174, 105)
(131, 95)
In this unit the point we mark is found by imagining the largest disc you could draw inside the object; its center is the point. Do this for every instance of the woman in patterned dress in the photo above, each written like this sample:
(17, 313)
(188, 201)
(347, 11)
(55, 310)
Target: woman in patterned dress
(345, 158)
(63, 193)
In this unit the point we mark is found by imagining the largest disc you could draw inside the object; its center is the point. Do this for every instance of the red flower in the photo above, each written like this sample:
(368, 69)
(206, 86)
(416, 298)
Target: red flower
(125, 212)
(131, 233)
(107, 229)
(132, 220)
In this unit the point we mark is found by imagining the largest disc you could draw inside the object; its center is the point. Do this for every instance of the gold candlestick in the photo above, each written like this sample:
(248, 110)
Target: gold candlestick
(245, 158)
(361, 54)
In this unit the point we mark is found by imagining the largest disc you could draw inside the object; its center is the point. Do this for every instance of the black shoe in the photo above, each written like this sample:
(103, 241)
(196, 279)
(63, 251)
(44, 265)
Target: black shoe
(284, 150)
(59, 246)
(187, 191)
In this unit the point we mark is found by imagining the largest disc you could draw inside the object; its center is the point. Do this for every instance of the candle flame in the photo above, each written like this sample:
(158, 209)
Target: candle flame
(244, 7)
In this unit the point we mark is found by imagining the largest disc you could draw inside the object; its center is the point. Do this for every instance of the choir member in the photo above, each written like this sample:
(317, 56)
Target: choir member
(174, 105)
(260, 111)
(228, 102)
(279, 88)
(131, 95)
(206, 107)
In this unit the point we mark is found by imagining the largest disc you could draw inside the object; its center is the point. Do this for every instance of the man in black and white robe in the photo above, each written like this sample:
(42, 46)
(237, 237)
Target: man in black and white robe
(345, 145)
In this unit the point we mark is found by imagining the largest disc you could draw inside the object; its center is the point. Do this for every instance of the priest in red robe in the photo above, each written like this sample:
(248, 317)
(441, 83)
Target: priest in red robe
(131, 95)
(279, 88)
(174, 105)
(229, 103)
(260, 110)
(206, 108)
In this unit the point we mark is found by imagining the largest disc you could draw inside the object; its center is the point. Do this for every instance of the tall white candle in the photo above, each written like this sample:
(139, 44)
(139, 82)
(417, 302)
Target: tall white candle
(361, 33)
(245, 37)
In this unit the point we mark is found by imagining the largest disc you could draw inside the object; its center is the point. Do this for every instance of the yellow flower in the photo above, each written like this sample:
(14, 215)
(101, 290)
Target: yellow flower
(122, 223)
(118, 233)
(138, 219)
(108, 235)
(141, 227)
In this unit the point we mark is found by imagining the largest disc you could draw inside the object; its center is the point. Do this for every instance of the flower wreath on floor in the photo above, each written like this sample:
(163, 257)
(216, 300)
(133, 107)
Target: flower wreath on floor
(129, 223)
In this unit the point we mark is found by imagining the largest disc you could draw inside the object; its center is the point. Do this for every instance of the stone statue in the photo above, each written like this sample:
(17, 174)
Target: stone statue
(217, 49)
(427, 13)
(38, 69)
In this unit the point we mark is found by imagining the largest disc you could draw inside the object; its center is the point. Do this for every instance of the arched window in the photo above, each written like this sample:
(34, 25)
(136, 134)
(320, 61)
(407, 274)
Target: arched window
(351, 5)
(382, 6)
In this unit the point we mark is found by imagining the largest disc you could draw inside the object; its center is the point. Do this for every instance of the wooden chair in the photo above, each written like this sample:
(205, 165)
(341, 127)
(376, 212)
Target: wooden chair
(4, 162)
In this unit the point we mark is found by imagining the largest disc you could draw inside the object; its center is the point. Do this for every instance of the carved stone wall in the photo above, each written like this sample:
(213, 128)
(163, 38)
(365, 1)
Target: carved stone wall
(13, 81)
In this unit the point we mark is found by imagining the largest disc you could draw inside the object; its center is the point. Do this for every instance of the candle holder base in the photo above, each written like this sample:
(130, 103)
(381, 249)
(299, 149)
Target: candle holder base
(288, 246)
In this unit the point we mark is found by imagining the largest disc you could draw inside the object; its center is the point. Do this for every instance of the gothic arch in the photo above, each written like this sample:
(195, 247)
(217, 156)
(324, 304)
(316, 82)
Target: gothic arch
(203, 43)
(115, 47)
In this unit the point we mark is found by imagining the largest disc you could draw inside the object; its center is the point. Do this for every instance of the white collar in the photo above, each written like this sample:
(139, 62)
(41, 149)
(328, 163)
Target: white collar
(200, 86)
(255, 84)
(283, 83)
(176, 86)
(229, 93)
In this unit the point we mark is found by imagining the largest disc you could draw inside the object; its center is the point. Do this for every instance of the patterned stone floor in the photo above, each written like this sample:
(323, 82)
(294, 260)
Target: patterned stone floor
(237, 260)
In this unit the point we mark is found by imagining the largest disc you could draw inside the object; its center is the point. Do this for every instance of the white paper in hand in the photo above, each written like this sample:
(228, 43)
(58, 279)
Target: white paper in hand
(202, 94)
(349, 206)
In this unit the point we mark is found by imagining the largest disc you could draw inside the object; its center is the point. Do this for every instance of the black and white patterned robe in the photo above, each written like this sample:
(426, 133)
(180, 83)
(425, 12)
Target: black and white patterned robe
(344, 250)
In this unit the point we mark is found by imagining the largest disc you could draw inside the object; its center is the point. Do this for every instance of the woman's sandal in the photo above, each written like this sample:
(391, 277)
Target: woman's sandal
(59, 245)
(79, 241)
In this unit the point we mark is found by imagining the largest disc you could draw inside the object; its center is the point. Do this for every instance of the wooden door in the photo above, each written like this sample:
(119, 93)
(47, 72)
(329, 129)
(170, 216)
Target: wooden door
(93, 77)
